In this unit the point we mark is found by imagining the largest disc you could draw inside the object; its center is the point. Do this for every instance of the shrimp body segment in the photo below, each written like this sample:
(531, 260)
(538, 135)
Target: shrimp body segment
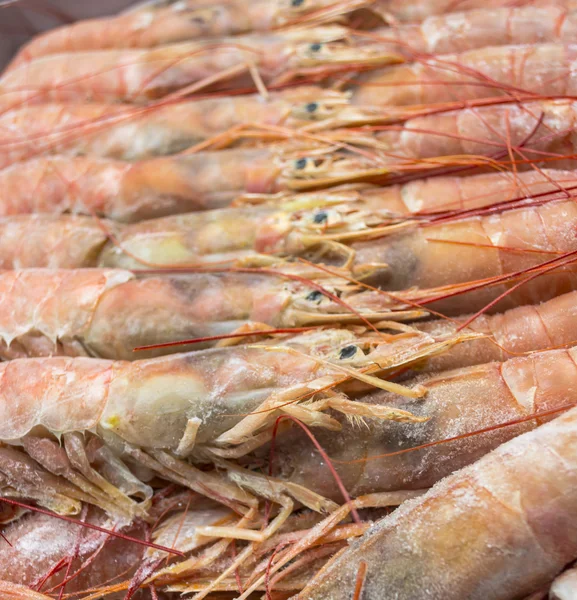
(462, 538)
(488, 246)
(541, 69)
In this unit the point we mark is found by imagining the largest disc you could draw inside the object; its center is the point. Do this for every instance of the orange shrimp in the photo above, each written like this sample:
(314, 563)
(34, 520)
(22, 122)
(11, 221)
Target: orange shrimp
(486, 246)
(516, 331)
(478, 28)
(377, 457)
(531, 133)
(418, 10)
(433, 195)
(462, 538)
(134, 133)
(156, 25)
(533, 69)
(138, 76)
(168, 185)
(107, 313)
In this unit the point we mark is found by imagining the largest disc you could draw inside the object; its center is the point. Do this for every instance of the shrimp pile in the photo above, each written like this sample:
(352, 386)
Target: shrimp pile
(288, 302)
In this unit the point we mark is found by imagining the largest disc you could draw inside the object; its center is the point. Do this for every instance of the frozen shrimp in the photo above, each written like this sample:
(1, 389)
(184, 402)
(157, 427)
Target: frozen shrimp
(418, 10)
(461, 31)
(185, 402)
(533, 132)
(182, 21)
(40, 544)
(114, 131)
(138, 76)
(433, 195)
(107, 313)
(516, 331)
(462, 538)
(488, 246)
(457, 402)
(533, 69)
(168, 185)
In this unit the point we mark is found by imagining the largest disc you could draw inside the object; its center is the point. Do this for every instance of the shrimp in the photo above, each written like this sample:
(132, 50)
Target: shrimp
(183, 21)
(488, 247)
(375, 457)
(41, 543)
(114, 131)
(168, 185)
(184, 402)
(138, 76)
(462, 31)
(433, 195)
(107, 313)
(565, 586)
(516, 331)
(418, 10)
(535, 131)
(462, 538)
(488, 72)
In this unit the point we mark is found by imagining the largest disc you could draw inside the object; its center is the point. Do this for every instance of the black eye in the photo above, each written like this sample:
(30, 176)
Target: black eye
(315, 47)
(312, 107)
(297, 2)
(314, 296)
(347, 352)
(301, 163)
(320, 217)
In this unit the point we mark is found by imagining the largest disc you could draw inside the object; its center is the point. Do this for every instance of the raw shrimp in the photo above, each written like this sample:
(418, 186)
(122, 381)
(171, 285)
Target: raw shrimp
(533, 69)
(138, 76)
(462, 31)
(519, 330)
(418, 10)
(462, 538)
(534, 131)
(114, 131)
(183, 21)
(40, 543)
(184, 402)
(107, 313)
(434, 194)
(457, 402)
(487, 246)
(167, 185)
(565, 586)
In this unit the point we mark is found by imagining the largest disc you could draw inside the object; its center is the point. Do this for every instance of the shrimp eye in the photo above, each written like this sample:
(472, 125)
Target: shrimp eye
(315, 47)
(320, 217)
(347, 352)
(296, 3)
(301, 163)
(314, 296)
(311, 107)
